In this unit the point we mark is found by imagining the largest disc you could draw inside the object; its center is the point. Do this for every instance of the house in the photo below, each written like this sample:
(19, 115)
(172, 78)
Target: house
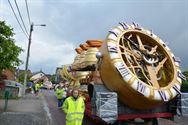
(2, 83)
(10, 75)
(38, 75)
(48, 76)
(58, 77)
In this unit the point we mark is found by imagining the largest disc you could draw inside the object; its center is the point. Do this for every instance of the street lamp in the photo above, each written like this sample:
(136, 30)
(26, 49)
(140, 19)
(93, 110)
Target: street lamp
(28, 50)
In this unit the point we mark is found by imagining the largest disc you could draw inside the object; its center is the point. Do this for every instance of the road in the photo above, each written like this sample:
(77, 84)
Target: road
(57, 114)
(42, 110)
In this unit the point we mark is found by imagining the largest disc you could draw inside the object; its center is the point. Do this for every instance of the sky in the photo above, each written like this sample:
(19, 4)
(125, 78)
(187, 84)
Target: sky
(71, 22)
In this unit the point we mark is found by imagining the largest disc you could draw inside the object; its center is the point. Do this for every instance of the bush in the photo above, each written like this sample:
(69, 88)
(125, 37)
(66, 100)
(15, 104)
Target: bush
(184, 87)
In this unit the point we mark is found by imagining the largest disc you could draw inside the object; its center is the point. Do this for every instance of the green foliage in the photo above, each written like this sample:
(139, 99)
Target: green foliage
(9, 52)
(52, 78)
(185, 73)
(185, 82)
(21, 77)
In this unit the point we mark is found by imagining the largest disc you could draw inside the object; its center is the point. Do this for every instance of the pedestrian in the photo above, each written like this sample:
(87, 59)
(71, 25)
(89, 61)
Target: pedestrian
(34, 87)
(41, 86)
(29, 85)
(37, 87)
(65, 88)
(59, 94)
(74, 108)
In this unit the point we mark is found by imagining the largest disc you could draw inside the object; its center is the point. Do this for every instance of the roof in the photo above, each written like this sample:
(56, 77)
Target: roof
(48, 76)
(34, 73)
(37, 75)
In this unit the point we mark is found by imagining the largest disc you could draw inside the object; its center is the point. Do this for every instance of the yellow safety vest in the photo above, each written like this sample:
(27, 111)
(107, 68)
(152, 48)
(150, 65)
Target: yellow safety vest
(41, 85)
(37, 86)
(74, 110)
(59, 93)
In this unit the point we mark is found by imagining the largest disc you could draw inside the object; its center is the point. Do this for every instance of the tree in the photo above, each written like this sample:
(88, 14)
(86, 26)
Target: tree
(185, 73)
(21, 77)
(184, 86)
(52, 78)
(9, 52)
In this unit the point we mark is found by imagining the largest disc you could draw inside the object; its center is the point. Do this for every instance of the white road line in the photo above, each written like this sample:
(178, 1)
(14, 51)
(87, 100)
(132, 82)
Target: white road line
(47, 110)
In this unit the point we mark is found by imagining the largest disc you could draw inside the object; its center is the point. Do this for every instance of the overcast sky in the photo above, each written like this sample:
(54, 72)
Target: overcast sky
(72, 22)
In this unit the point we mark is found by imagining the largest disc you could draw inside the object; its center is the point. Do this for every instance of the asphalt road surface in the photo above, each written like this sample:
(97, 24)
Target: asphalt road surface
(58, 116)
(43, 110)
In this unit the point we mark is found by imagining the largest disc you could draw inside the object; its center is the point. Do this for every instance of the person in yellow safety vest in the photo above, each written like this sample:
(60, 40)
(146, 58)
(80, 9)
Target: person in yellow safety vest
(59, 94)
(41, 85)
(74, 108)
(37, 87)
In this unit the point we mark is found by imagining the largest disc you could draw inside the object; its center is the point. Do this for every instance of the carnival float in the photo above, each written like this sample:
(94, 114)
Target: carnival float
(131, 74)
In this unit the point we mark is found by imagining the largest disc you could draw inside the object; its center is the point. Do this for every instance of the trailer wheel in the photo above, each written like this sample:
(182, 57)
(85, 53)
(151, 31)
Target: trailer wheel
(150, 121)
(154, 121)
(119, 123)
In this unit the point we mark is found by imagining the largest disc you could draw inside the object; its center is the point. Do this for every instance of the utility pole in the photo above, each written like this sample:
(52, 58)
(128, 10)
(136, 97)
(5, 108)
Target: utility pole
(28, 54)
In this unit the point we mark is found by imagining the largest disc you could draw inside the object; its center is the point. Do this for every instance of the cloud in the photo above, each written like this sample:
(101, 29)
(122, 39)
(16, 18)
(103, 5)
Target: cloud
(72, 22)
(48, 55)
(56, 52)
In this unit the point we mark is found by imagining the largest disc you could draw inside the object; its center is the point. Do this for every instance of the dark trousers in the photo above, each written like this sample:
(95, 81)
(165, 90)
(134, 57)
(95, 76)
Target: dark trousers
(60, 102)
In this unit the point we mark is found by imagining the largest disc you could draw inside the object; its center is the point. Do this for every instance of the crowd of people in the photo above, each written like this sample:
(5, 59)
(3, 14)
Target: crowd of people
(70, 101)
(35, 86)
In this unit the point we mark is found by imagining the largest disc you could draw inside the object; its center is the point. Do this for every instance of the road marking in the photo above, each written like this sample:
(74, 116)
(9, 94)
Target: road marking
(47, 110)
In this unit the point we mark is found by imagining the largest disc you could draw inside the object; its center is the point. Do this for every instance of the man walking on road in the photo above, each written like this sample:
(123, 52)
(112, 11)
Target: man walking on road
(74, 108)
(59, 94)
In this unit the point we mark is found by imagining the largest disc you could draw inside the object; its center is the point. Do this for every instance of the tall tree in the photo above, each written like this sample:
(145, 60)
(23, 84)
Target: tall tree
(9, 52)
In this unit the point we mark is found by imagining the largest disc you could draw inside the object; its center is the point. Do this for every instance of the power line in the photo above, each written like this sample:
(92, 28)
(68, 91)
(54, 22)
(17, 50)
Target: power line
(28, 12)
(20, 16)
(17, 19)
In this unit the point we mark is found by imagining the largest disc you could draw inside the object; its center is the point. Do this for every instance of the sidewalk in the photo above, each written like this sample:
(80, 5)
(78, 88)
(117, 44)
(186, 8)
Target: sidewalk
(29, 110)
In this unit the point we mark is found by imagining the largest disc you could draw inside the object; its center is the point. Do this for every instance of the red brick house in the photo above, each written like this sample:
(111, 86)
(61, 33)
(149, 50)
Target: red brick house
(9, 74)
(2, 83)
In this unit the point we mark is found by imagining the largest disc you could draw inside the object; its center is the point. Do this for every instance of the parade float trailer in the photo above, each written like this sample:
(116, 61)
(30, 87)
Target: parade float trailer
(131, 74)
